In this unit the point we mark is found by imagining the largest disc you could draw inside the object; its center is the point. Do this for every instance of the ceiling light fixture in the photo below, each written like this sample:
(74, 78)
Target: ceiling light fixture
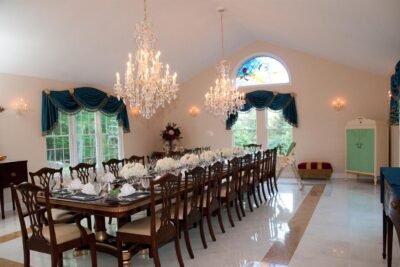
(148, 84)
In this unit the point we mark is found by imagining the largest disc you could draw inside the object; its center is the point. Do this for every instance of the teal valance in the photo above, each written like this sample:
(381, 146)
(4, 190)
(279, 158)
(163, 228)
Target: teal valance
(71, 102)
(266, 99)
(394, 100)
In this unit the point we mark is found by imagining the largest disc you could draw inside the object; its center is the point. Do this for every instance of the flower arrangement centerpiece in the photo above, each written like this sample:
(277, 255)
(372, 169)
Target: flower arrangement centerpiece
(133, 169)
(189, 160)
(237, 150)
(166, 164)
(171, 134)
(208, 155)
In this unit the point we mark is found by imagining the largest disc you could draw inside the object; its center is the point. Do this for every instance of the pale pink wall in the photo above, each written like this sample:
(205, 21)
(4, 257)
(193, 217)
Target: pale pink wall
(315, 81)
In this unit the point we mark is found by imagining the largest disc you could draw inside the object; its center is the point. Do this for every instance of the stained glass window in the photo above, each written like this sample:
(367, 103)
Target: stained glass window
(261, 70)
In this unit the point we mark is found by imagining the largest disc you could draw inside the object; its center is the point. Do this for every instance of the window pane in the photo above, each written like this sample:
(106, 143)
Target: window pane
(261, 70)
(245, 128)
(57, 142)
(279, 132)
(86, 136)
(110, 137)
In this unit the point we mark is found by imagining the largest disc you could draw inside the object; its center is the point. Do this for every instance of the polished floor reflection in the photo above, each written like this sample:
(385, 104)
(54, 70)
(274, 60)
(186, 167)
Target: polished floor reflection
(329, 223)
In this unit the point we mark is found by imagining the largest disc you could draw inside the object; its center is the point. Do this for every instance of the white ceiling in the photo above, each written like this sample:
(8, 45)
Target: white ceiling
(88, 41)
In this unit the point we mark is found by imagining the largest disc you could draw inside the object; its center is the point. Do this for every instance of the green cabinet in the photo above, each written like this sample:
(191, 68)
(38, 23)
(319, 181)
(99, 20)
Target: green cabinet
(360, 150)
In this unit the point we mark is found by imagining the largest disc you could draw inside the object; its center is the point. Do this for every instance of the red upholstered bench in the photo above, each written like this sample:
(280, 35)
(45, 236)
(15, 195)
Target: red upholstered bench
(315, 170)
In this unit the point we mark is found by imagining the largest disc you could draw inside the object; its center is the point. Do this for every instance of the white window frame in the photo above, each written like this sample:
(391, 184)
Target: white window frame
(99, 144)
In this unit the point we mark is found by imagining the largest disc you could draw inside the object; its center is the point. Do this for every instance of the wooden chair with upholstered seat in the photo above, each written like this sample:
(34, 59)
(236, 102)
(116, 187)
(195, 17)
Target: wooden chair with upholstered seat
(160, 227)
(229, 190)
(113, 166)
(255, 177)
(264, 173)
(211, 202)
(136, 159)
(272, 170)
(53, 239)
(190, 212)
(156, 155)
(84, 172)
(43, 178)
(244, 182)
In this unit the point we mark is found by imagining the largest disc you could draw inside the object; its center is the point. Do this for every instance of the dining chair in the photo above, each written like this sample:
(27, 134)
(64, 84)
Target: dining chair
(212, 203)
(113, 166)
(229, 189)
(264, 172)
(255, 177)
(43, 178)
(160, 227)
(190, 213)
(156, 155)
(273, 167)
(53, 239)
(245, 176)
(83, 172)
(253, 146)
(136, 159)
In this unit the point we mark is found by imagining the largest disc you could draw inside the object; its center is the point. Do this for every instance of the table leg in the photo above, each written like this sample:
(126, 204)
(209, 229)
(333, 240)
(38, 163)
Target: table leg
(384, 224)
(2, 203)
(296, 173)
(100, 228)
(390, 241)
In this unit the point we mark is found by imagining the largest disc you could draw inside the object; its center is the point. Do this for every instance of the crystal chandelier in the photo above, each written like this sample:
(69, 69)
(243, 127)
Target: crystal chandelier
(224, 99)
(148, 85)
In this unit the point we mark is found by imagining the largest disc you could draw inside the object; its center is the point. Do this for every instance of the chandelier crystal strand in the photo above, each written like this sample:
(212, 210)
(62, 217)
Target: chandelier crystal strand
(148, 85)
(223, 99)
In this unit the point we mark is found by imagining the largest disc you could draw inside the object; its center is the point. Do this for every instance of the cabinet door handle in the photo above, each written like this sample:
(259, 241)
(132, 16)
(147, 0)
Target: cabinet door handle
(13, 174)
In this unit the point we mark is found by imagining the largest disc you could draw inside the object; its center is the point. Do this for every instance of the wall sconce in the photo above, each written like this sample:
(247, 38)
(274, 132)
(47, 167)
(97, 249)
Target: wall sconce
(135, 111)
(338, 104)
(1, 109)
(21, 106)
(194, 111)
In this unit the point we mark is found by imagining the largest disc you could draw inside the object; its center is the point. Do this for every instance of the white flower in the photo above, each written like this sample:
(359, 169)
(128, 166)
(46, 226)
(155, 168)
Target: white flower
(108, 177)
(166, 164)
(237, 150)
(133, 170)
(190, 160)
(226, 152)
(88, 189)
(208, 155)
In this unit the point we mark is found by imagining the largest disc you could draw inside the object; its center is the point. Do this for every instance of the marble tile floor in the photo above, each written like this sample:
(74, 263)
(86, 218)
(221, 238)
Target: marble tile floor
(344, 230)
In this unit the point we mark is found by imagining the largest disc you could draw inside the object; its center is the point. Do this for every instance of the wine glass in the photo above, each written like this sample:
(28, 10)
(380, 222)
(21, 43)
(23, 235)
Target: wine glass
(98, 188)
(145, 181)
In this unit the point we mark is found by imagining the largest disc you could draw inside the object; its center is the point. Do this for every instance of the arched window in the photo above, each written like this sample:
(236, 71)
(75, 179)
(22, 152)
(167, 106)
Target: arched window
(261, 70)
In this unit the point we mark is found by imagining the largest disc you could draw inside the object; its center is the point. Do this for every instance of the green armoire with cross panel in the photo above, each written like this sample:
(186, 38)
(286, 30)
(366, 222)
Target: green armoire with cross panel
(366, 147)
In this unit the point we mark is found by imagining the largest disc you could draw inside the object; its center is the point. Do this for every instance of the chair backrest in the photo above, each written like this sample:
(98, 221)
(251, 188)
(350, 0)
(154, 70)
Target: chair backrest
(194, 184)
(175, 154)
(233, 184)
(136, 159)
(266, 162)
(257, 166)
(246, 165)
(113, 166)
(83, 171)
(28, 206)
(168, 188)
(274, 153)
(213, 181)
(253, 146)
(44, 175)
(156, 155)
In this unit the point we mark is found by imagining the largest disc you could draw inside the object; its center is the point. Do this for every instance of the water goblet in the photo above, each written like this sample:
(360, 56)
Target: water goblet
(145, 181)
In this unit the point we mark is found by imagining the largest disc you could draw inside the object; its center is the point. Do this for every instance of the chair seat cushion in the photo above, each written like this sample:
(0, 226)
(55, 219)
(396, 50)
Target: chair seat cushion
(64, 232)
(58, 214)
(139, 227)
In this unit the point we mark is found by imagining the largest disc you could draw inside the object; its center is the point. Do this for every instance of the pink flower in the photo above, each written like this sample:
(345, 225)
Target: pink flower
(171, 132)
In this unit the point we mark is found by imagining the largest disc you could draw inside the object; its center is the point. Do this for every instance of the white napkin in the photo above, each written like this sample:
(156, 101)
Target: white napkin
(126, 190)
(75, 184)
(88, 189)
(108, 177)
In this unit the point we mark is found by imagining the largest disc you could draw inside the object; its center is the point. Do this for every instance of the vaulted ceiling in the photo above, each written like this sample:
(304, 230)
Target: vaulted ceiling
(88, 41)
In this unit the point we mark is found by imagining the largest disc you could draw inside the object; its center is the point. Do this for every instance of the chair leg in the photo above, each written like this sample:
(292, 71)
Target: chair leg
(241, 204)
(54, 260)
(249, 200)
(93, 255)
(27, 258)
(156, 258)
(203, 237)
(276, 186)
(221, 223)
(390, 242)
(89, 222)
(187, 240)
(178, 248)
(384, 223)
(109, 220)
(210, 227)
(259, 192)
(253, 192)
(270, 189)
(237, 209)
(60, 259)
(228, 210)
(263, 190)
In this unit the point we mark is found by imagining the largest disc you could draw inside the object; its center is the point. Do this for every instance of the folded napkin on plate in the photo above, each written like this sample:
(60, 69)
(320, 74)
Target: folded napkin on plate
(88, 189)
(75, 184)
(108, 177)
(126, 190)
